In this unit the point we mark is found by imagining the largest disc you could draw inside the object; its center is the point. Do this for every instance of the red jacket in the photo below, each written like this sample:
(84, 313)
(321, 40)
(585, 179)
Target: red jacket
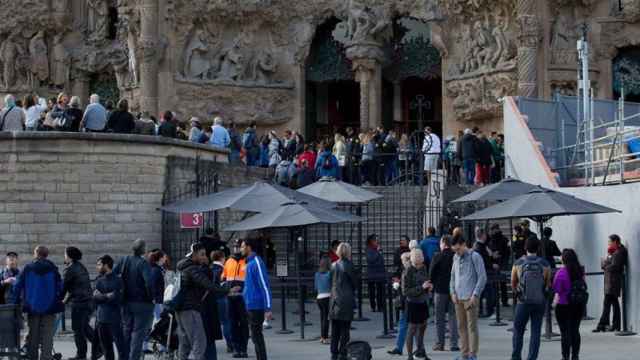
(310, 157)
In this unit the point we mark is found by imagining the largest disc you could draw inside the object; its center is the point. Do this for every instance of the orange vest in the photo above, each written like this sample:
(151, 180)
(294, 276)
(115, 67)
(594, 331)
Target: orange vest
(234, 270)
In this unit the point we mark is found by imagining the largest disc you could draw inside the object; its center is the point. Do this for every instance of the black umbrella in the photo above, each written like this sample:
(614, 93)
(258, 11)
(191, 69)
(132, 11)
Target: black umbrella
(504, 190)
(257, 197)
(540, 205)
(292, 215)
(339, 192)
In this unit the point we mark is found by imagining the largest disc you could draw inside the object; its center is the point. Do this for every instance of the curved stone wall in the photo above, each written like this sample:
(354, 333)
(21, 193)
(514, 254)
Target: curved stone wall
(98, 192)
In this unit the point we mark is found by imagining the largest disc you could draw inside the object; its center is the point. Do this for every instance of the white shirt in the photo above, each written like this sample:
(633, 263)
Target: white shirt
(33, 113)
(431, 144)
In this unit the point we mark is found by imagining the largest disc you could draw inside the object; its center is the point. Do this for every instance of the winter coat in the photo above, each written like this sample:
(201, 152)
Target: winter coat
(613, 267)
(136, 275)
(157, 284)
(274, 152)
(484, 152)
(375, 265)
(209, 311)
(39, 285)
(469, 147)
(440, 271)
(77, 284)
(412, 282)
(397, 260)
(343, 290)
(196, 282)
(121, 122)
(256, 292)
(332, 171)
(499, 243)
(483, 250)
(109, 299)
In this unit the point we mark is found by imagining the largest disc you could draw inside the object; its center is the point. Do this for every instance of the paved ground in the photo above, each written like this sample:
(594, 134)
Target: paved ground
(495, 342)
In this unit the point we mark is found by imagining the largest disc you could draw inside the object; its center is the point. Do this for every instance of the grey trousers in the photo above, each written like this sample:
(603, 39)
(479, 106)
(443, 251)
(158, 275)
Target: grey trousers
(191, 335)
(41, 331)
(444, 305)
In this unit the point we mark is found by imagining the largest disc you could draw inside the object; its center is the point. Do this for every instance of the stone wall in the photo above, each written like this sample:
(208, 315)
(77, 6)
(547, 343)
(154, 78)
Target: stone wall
(98, 192)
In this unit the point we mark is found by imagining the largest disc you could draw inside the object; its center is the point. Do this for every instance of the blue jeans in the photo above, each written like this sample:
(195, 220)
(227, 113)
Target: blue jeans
(390, 170)
(402, 331)
(136, 324)
(470, 171)
(524, 312)
(223, 316)
(211, 353)
(234, 157)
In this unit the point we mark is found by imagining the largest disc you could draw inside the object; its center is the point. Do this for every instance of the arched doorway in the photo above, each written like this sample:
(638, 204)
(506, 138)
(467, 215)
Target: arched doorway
(414, 69)
(333, 96)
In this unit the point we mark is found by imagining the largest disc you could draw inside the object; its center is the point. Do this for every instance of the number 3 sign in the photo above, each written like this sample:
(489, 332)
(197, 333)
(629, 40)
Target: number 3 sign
(191, 220)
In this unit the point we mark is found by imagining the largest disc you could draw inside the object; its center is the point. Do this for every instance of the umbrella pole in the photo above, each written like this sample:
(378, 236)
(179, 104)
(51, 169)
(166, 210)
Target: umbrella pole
(299, 283)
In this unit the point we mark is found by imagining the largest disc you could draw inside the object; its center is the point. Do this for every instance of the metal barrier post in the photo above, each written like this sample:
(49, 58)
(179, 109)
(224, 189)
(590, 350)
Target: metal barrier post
(625, 326)
(283, 303)
(498, 321)
(385, 320)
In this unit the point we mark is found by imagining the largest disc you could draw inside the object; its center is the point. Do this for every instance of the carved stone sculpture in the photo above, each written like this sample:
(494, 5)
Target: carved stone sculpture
(98, 19)
(39, 61)
(364, 24)
(10, 50)
(233, 61)
(60, 64)
(264, 67)
(132, 55)
(563, 41)
(197, 62)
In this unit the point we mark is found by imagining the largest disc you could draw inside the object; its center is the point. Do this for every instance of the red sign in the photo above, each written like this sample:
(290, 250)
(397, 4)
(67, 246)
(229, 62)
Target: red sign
(191, 220)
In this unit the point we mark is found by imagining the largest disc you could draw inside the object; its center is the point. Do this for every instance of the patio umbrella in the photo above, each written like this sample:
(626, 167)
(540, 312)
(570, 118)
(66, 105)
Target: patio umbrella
(339, 192)
(504, 190)
(291, 215)
(257, 197)
(540, 205)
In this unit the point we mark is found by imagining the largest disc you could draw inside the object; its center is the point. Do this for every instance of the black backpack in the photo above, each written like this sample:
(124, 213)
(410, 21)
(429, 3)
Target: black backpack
(579, 294)
(359, 350)
(532, 284)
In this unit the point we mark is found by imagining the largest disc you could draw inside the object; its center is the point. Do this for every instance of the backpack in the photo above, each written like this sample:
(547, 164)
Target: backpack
(532, 284)
(359, 350)
(173, 294)
(327, 164)
(579, 294)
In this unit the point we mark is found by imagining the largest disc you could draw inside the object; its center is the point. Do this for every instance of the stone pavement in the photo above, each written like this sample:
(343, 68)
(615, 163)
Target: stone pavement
(495, 342)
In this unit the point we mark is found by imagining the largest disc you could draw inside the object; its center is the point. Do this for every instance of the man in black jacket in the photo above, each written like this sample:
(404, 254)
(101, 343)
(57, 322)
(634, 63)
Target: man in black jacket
(501, 254)
(108, 297)
(481, 246)
(613, 266)
(195, 285)
(550, 247)
(77, 292)
(468, 155)
(440, 276)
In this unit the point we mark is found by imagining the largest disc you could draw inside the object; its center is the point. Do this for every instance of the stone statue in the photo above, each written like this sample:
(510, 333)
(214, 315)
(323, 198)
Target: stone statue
(563, 38)
(60, 6)
(264, 67)
(483, 44)
(10, 50)
(197, 62)
(502, 47)
(60, 64)
(80, 13)
(98, 19)
(364, 25)
(132, 57)
(39, 71)
(233, 62)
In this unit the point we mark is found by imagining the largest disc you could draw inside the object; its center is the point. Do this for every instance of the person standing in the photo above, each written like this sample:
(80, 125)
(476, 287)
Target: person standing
(484, 161)
(400, 304)
(440, 276)
(343, 301)
(551, 250)
(397, 261)
(468, 155)
(613, 265)
(257, 296)
(219, 134)
(416, 287)
(168, 126)
(137, 302)
(481, 247)
(234, 275)
(333, 251)
(569, 314)
(77, 292)
(431, 148)
(468, 279)
(39, 290)
(95, 116)
(33, 109)
(195, 286)
(430, 244)
(530, 280)
(322, 284)
(155, 259)
(8, 277)
(12, 117)
(121, 121)
(108, 298)
(327, 164)
(217, 266)
(250, 144)
(376, 274)
(501, 255)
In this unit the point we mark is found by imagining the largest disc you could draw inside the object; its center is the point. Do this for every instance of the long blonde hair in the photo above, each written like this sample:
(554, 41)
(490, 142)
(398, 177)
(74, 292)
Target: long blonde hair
(344, 251)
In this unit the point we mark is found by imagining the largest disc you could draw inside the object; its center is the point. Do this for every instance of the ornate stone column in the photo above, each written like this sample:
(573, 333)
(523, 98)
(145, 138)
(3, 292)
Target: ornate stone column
(529, 39)
(149, 46)
(367, 65)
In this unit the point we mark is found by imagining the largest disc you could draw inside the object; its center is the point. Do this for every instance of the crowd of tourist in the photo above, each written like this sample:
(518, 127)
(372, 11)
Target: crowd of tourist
(371, 157)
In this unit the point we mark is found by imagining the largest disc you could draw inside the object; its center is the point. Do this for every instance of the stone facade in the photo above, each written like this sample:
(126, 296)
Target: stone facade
(98, 192)
(246, 59)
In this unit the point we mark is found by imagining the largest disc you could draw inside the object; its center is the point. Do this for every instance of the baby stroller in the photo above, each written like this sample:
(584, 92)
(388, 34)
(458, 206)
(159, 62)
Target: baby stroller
(164, 338)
